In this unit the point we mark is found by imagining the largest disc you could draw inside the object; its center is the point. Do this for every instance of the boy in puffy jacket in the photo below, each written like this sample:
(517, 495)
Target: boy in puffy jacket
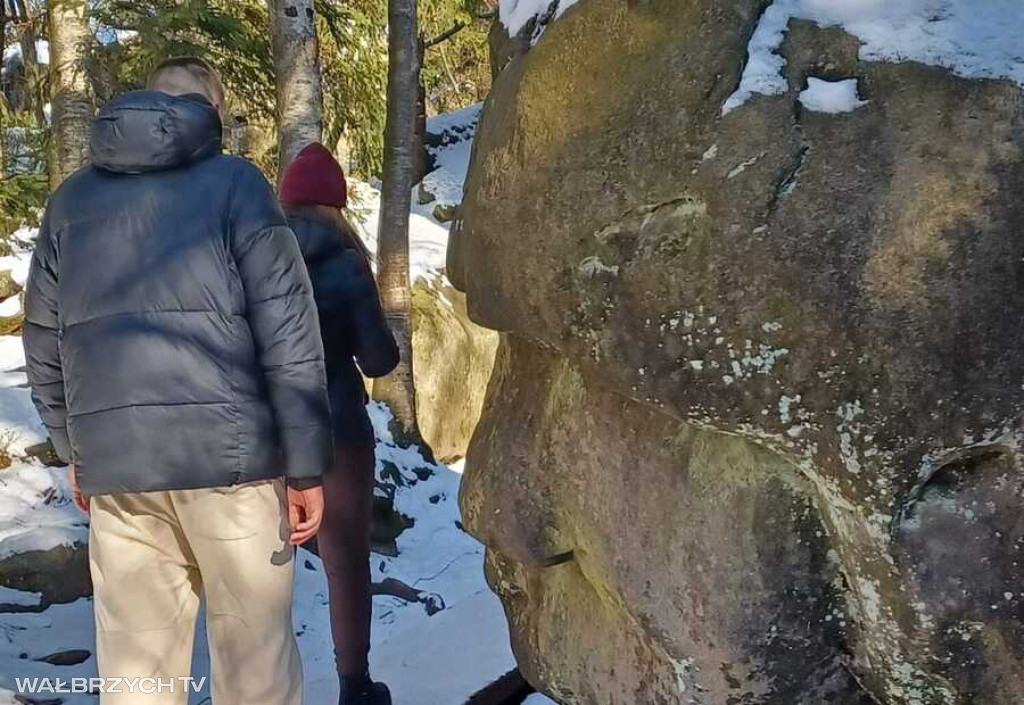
(175, 358)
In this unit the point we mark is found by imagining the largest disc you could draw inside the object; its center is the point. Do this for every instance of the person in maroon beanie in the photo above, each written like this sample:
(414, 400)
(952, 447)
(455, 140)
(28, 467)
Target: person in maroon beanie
(357, 342)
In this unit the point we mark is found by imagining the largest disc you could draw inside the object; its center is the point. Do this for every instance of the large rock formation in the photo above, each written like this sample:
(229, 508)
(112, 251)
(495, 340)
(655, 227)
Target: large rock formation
(453, 361)
(754, 432)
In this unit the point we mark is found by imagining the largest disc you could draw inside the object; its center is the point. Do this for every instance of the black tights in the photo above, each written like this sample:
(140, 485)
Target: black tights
(344, 544)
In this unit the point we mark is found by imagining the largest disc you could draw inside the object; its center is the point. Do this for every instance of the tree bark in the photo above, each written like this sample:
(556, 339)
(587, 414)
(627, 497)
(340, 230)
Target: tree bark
(30, 62)
(397, 390)
(3, 93)
(25, 88)
(33, 78)
(297, 77)
(71, 97)
(238, 131)
(419, 147)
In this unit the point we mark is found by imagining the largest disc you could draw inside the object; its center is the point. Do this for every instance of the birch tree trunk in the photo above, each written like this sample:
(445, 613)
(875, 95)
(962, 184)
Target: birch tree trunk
(397, 390)
(297, 77)
(70, 95)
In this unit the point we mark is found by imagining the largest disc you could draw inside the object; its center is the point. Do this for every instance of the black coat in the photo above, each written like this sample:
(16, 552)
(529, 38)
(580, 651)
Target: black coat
(351, 321)
(171, 332)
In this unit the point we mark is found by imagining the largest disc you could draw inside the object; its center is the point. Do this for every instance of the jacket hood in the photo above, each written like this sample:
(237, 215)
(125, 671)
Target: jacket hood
(146, 131)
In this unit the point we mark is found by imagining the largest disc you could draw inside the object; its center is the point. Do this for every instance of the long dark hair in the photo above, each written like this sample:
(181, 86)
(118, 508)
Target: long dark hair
(341, 223)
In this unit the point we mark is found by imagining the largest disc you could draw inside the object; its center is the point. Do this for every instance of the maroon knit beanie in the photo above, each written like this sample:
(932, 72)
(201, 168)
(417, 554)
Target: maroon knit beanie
(314, 178)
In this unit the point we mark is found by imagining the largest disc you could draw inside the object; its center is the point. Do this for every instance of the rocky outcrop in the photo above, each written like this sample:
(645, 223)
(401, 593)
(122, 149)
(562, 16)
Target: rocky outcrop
(60, 574)
(11, 324)
(453, 361)
(754, 433)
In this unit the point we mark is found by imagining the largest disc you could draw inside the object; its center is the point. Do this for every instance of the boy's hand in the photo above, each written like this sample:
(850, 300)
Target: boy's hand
(305, 512)
(81, 499)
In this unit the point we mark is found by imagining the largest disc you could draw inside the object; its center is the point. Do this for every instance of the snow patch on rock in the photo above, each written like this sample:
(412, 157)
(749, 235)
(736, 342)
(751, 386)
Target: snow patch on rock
(831, 96)
(515, 14)
(972, 39)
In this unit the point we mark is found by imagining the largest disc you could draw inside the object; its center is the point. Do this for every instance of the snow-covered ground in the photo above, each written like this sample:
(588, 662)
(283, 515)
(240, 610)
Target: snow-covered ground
(33, 512)
(451, 156)
(436, 650)
(972, 39)
(428, 239)
(42, 52)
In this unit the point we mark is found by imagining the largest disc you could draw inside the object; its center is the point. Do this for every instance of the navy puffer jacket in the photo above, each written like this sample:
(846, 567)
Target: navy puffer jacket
(352, 323)
(171, 332)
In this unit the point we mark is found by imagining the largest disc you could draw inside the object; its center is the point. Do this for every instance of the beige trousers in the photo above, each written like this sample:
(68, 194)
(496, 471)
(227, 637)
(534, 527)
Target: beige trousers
(152, 553)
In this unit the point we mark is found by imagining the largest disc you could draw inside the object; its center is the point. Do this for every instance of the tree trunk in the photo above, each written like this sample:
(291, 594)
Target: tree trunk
(238, 132)
(30, 62)
(33, 77)
(70, 92)
(419, 148)
(3, 91)
(297, 76)
(397, 390)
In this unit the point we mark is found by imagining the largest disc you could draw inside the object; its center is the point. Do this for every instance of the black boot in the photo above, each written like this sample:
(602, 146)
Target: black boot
(367, 693)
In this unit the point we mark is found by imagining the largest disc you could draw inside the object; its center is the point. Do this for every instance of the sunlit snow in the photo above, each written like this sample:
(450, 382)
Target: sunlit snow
(972, 39)
(831, 96)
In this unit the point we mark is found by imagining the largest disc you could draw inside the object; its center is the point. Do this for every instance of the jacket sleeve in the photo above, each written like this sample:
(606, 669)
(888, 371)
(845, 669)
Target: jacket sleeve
(281, 313)
(373, 343)
(41, 339)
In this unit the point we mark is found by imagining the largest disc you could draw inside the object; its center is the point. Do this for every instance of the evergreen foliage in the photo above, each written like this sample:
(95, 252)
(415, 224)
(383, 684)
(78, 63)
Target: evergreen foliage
(132, 36)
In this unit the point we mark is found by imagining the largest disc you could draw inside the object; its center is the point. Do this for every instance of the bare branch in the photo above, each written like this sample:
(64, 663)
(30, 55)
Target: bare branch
(456, 28)
(445, 35)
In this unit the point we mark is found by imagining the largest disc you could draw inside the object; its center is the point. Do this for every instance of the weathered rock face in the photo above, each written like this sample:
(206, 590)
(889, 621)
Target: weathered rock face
(754, 434)
(454, 357)
(646, 561)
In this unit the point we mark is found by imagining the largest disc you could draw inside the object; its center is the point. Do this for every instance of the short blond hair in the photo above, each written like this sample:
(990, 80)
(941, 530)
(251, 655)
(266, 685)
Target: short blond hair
(188, 74)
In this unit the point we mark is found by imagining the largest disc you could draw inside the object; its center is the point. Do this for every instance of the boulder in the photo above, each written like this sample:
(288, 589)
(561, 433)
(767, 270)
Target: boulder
(643, 560)
(444, 213)
(45, 453)
(754, 432)
(60, 574)
(423, 195)
(453, 361)
(12, 325)
(8, 287)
